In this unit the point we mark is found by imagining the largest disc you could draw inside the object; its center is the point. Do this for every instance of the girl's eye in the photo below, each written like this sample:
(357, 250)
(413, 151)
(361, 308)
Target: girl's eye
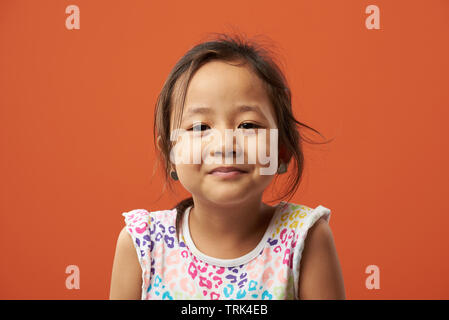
(250, 125)
(198, 127)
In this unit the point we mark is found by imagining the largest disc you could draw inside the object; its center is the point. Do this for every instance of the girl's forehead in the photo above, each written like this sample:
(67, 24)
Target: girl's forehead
(222, 89)
(223, 81)
(224, 97)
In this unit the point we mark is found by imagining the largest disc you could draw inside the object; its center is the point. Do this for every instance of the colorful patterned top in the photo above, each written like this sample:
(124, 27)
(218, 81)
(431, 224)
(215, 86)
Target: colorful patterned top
(172, 270)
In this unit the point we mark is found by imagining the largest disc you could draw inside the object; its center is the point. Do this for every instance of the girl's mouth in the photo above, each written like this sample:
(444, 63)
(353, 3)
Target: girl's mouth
(227, 172)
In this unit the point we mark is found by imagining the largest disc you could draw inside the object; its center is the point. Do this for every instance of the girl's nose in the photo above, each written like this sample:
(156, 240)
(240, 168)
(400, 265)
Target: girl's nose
(224, 143)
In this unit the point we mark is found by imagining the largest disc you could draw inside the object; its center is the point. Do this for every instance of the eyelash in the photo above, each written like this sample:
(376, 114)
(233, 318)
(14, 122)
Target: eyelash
(202, 124)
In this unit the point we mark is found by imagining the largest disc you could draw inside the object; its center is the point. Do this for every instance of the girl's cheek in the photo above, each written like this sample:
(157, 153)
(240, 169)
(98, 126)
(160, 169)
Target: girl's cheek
(268, 151)
(252, 148)
(256, 146)
(182, 151)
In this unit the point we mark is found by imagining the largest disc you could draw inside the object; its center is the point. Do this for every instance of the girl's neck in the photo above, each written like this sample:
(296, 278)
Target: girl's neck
(230, 225)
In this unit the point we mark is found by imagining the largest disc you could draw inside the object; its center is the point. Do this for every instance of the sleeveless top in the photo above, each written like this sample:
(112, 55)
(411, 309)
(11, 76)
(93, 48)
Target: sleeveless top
(178, 270)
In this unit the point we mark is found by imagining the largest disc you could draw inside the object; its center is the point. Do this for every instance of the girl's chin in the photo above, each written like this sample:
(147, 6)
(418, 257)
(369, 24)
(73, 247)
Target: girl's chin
(229, 188)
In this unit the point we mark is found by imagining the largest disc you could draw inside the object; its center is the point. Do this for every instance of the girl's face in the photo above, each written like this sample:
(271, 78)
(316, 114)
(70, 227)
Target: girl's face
(214, 101)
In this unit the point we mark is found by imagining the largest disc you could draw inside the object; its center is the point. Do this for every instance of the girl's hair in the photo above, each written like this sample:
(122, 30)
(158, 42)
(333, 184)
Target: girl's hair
(261, 61)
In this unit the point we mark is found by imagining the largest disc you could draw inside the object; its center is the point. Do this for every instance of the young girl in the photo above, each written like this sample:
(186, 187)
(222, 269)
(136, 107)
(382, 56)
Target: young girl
(224, 242)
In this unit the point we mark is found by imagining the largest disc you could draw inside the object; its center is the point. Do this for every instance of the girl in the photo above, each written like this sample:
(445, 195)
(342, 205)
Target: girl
(224, 242)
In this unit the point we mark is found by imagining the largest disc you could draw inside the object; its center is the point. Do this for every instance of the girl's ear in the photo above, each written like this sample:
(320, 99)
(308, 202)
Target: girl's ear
(284, 154)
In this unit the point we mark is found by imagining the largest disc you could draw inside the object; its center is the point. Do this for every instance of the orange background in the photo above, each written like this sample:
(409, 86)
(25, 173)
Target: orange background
(77, 115)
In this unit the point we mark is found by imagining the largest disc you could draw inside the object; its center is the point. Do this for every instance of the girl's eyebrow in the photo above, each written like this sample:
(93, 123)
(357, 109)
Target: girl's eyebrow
(240, 109)
(197, 110)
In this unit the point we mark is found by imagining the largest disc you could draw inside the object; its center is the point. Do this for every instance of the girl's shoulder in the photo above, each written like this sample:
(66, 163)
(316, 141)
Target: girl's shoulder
(140, 220)
(294, 216)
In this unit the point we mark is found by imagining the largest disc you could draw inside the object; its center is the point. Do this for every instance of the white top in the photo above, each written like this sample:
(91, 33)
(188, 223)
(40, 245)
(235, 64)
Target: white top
(173, 269)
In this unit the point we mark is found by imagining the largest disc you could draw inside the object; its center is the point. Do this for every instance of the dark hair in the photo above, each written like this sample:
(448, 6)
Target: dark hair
(262, 62)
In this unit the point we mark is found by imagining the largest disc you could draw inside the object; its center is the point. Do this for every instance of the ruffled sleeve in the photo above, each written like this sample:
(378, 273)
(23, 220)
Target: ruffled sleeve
(138, 226)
